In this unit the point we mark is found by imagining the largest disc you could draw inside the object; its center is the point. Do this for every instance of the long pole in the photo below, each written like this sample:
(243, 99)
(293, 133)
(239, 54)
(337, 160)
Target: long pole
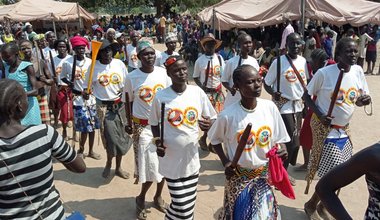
(303, 18)
(213, 21)
(55, 30)
(79, 18)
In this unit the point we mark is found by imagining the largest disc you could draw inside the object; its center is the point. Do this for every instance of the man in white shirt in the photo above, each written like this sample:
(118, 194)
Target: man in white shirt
(310, 45)
(133, 62)
(171, 44)
(208, 69)
(288, 30)
(287, 92)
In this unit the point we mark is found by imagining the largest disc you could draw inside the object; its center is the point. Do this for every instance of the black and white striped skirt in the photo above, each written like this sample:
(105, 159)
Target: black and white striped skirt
(183, 192)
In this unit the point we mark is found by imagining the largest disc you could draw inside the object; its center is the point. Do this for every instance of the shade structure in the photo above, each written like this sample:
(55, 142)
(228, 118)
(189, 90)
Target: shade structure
(31, 10)
(250, 13)
(258, 13)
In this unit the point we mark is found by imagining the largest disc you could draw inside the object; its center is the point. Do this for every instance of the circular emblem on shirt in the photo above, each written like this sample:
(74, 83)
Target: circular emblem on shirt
(104, 80)
(290, 76)
(351, 96)
(217, 70)
(146, 94)
(175, 117)
(340, 97)
(115, 78)
(263, 136)
(157, 88)
(84, 73)
(78, 75)
(58, 70)
(250, 142)
(191, 115)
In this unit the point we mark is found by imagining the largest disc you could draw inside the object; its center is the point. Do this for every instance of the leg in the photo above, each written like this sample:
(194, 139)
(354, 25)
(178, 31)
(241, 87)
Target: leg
(91, 152)
(373, 66)
(55, 114)
(310, 207)
(120, 172)
(140, 201)
(64, 131)
(107, 168)
(159, 203)
(203, 142)
(83, 138)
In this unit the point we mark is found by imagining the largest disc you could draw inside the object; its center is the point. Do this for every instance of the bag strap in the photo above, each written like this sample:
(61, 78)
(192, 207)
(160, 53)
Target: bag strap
(73, 69)
(335, 93)
(278, 70)
(207, 73)
(296, 72)
(19, 185)
(239, 64)
(220, 60)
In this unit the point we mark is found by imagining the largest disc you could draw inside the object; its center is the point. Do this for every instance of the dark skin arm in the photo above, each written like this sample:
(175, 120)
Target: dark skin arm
(76, 166)
(46, 77)
(33, 81)
(231, 89)
(311, 104)
(129, 128)
(366, 162)
(269, 89)
(198, 82)
(160, 147)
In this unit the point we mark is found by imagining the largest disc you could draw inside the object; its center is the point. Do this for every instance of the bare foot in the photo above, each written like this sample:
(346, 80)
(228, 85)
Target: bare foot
(121, 173)
(311, 213)
(106, 172)
(94, 155)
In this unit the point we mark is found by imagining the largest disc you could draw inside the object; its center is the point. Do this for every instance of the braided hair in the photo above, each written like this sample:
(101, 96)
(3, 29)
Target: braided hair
(238, 72)
(10, 96)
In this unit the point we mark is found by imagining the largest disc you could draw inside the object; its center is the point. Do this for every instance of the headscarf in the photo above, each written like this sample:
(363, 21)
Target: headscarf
(171, 38)
(142, 45)
(79, 41)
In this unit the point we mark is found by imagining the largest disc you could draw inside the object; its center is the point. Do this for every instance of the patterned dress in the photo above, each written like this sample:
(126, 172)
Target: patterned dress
(33, 116)
(373, 210)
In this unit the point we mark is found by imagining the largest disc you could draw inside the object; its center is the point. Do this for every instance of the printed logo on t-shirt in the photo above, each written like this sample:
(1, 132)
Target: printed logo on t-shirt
(292, 77)
(58, 70)
(214, 72)
(340, 97)
(263, 136)
(157, 88)
(103, 80)
(79, 74)
(146, 94)
(175, 117)
(115, 78)
(351, 95)
(251, 142)
(191, 115)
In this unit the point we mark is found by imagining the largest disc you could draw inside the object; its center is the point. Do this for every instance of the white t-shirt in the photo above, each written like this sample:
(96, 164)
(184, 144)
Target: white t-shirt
(353, 85)
(364, 39)
(58, 63)
(182, 113)
(142, 87)
(231, 65)
(290, 87)
(161, 60)
(133, 61)
(82, 66)
(267, 130)
(216, 70)
(108, 80)
(158, 58)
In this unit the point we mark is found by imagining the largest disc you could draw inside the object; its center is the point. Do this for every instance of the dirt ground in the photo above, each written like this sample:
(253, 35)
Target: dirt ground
(114, 198)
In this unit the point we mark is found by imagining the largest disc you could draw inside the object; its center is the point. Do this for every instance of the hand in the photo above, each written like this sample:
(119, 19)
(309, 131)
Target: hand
(277, 96)
(205, 123)
(229, 171)
(49, 81)
(282, 152)
(85, 95)
(325, 120)
(160, 148)
(128, 129)
(363, 100)
(233, 91)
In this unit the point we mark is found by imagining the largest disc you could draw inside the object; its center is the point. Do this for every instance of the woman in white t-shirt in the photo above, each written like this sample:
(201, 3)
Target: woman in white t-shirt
(142, 85)
(332, 129)
(251, 173)
(107, 85)
(187, 109)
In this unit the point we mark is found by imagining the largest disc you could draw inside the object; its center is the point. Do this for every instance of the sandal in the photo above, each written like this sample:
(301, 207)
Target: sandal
(160, 204)
(140, 212)
(94, 155)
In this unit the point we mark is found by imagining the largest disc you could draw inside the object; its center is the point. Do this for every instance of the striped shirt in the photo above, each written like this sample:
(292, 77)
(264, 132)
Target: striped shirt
(29, 157)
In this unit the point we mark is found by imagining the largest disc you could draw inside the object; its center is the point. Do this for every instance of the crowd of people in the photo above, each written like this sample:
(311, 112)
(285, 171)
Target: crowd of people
(140, 98)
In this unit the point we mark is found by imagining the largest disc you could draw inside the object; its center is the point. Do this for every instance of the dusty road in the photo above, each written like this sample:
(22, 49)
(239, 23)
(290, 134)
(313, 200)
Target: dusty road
(114, 198)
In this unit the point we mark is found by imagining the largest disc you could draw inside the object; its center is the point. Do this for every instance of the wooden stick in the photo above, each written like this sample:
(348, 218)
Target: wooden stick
(53, 66)
(240, 148)
(73, 70)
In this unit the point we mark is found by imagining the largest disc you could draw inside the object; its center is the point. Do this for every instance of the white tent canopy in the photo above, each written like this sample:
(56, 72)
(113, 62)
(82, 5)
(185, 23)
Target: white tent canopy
(31, 10)
(257, 13)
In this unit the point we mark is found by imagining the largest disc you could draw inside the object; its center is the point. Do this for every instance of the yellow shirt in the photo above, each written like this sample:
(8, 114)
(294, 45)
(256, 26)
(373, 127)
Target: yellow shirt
(162, 21)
